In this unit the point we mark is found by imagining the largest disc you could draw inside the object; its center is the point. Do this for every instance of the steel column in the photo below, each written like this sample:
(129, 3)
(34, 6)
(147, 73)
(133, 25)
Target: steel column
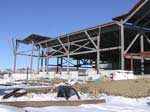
(68, 57)
(61, 64)
(122, 47)
(47, 60)
(31, 58)
(98, 52)
(57, 65)
(42, 60)
(78, 62)
(38, 67)
(15, 58)
(15, 47)
(68, 63)
(131, 62)
(142, 50)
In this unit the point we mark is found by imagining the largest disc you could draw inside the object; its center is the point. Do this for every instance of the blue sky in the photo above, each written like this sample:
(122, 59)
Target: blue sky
(20, 18)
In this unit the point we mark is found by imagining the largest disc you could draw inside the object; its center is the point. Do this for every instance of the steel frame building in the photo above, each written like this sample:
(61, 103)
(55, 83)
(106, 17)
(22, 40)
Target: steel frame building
(107, 43)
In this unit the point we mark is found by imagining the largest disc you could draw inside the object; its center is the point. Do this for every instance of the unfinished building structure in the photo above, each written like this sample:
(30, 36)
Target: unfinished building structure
(111, 43)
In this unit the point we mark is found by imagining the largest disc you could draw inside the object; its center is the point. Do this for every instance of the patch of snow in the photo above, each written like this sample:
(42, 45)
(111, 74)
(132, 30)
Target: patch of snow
(113, 104)
(5, 81)
(45, 97)
(5, 108)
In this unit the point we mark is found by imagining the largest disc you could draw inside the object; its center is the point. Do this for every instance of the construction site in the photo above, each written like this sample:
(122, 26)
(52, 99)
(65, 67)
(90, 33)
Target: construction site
(105, 68)
(123, 44)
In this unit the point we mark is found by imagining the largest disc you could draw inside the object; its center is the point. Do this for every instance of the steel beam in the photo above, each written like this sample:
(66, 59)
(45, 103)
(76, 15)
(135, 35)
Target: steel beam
(22, 54)
(71, 43)
(59, 50)
(62, 44)
(148, 40)
(133, 41)
(136, 28)
(53, 47)
(69, 61)
(49, 40)
(54, 53)
(66, 66)
(110, 49)
(89, 48)
(26, 51)
(136, 57)
(80, 47)
(90, 39)
(91, 51)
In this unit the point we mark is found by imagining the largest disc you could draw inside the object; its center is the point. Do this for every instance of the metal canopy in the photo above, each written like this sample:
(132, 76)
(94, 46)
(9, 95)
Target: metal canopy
(33, 38)
(93, 32)
(109, 33)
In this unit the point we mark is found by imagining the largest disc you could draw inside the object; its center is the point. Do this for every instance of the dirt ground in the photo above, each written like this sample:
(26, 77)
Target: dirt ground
(22, 104)
(128, 88)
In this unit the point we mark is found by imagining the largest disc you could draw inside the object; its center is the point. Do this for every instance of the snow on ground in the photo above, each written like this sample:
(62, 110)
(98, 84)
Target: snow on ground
(113, 104)
(45, 97)
(5, 81)
(5, 108)
(24, 86)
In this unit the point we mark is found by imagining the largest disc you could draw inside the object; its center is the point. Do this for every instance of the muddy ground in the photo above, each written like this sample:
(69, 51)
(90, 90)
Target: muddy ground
(128, 88)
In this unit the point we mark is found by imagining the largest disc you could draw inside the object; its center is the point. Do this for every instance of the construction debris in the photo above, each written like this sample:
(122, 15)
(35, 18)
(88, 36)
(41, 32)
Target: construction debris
(67, 92)
(15, 93)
